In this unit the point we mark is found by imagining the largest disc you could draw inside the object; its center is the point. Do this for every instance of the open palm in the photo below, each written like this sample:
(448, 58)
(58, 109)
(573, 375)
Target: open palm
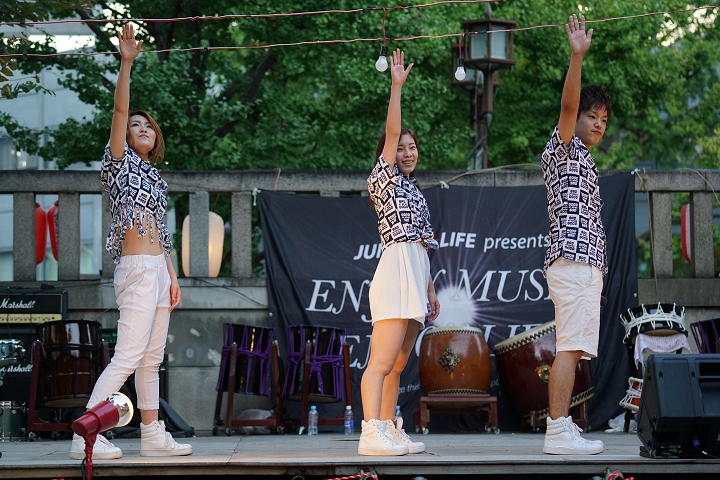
(578, 39)
(128, 46)
(397, 67)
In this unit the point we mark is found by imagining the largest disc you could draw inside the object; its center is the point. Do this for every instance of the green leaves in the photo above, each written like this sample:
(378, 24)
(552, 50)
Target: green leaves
(324, 106)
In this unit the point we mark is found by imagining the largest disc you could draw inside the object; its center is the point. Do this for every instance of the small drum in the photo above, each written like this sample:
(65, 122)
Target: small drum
(631, 400)
(454, 360)
(524, 363)
(12, 421)
(326, 363)
(71, 364)
(11, 352)
(662, 320)
(706, 335)
(252, 371)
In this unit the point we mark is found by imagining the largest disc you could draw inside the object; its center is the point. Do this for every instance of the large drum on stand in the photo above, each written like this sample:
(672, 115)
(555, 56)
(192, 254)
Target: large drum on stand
(71, 363)
(454, 360)
(524, 363)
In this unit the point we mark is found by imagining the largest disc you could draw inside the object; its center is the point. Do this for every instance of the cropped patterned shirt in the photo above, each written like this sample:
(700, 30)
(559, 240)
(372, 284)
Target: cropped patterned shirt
(402, 211)
(574, 203)
(137, 196)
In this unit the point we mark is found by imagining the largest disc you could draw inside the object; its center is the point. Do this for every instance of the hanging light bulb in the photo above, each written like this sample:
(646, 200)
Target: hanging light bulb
(381, 64)
(460, 72)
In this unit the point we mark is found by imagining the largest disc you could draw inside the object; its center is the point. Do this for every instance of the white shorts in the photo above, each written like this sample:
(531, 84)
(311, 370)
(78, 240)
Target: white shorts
(575, 290)
(399, 287)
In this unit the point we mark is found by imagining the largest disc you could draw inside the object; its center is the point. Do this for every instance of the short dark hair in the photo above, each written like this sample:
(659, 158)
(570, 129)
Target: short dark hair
(158, 151)
(594, 96)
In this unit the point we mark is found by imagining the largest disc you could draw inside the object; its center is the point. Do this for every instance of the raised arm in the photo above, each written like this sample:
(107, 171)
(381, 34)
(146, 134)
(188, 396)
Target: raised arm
(579, 43)
(394, 123)
(129, 49)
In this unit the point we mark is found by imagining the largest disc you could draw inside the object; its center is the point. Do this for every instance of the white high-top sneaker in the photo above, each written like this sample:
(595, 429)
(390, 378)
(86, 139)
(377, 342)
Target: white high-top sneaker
(374, 440)
(102, 450)
(562, 437)
(156, 442)
(399, 436)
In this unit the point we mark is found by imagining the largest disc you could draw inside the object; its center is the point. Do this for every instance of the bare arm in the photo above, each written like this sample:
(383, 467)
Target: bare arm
(129, 49)
(433, 301)
(175, 292)
(394, 122)
(579, 43)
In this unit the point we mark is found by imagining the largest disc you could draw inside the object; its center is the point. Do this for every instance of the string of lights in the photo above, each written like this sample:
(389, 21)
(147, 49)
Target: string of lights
(248, 15)
(380, 65)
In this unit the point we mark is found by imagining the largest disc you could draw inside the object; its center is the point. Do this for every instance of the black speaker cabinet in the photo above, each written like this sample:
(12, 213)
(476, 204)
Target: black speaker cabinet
(680, 406)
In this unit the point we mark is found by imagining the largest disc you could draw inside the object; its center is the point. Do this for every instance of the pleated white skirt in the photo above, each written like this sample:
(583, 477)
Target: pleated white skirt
(399, 287)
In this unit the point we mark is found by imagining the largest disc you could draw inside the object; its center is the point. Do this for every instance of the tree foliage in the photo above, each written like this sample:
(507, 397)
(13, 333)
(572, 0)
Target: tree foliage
(324, 106)
(24, 11)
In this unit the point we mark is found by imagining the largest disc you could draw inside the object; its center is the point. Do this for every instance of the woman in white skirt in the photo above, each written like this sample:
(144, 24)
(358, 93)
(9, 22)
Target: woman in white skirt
(401, 288)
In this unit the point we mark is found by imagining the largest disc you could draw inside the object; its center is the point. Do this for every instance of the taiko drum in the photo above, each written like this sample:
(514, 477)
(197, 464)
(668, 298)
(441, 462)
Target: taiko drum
(71, 363)
(524, 364)
(454, 360)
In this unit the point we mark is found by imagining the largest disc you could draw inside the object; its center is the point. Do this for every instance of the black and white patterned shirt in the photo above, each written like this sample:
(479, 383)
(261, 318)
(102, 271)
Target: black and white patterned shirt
(574, 203)
(137, 196)
(402, 211)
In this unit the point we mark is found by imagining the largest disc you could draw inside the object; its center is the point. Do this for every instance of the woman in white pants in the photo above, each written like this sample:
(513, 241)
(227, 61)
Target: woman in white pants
(146, 286)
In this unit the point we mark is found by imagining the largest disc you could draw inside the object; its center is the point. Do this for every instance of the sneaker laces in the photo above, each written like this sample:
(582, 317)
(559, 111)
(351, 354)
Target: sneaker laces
(104, 441)
(575, 430)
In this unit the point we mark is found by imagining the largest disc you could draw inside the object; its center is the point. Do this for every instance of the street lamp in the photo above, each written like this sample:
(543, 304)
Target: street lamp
(486, 47)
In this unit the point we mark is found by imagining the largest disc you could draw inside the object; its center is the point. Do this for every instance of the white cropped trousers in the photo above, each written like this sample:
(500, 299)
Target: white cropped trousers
(142, 288)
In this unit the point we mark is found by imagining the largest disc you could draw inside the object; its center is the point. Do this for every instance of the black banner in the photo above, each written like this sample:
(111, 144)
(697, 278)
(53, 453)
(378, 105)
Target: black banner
(321, 255)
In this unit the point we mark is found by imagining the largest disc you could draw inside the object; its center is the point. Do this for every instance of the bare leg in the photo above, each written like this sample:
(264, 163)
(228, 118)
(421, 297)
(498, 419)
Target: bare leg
(392, 381)
(387, 340)
(562, 378)
(148, 416)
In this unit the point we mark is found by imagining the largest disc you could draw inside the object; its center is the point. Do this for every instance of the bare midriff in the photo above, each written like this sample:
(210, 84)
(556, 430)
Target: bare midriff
(148, 244)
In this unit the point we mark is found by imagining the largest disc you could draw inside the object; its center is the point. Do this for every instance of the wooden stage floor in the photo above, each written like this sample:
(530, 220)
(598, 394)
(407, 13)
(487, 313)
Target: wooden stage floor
(330, 455)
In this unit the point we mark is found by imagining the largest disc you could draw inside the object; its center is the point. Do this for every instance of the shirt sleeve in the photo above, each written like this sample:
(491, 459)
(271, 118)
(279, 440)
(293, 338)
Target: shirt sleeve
(556, 150)
(381, 178)
(108, 158)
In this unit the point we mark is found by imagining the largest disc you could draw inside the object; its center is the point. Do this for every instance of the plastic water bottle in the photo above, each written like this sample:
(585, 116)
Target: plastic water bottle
(398, 415)
(312, 421)
(349, 422)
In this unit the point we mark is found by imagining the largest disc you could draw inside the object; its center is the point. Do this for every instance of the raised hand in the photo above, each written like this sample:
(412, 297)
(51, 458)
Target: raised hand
(578, 39)
(129, 48)
(397, 68)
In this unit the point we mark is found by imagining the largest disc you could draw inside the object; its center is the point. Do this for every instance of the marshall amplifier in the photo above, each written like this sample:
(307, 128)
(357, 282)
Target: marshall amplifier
(32, 305)
(20, 309)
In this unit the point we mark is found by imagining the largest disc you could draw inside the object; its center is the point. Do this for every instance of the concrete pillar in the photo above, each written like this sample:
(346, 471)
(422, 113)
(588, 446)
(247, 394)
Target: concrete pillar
(241, 234)
(24, 237)
(108, 266)
(701, 238)
(661, 234)
(69, 236)
(199, 233)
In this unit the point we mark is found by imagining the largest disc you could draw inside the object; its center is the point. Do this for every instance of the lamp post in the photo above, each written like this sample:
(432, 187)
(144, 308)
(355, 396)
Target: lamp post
(485, 48)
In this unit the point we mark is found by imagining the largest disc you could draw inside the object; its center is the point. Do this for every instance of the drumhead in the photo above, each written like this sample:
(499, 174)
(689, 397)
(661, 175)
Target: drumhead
(524, 338)
(452, 329)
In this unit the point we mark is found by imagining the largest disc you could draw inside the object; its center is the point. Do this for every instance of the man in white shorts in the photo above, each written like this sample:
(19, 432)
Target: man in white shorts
(576, 261)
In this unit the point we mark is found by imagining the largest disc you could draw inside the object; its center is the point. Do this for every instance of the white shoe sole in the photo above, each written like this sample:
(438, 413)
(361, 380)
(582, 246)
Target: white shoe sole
(572, 451)
(166, 453)
(96, 456)
(382, 452)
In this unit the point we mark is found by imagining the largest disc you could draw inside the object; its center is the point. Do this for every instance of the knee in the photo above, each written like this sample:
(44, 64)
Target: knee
(378, 368)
